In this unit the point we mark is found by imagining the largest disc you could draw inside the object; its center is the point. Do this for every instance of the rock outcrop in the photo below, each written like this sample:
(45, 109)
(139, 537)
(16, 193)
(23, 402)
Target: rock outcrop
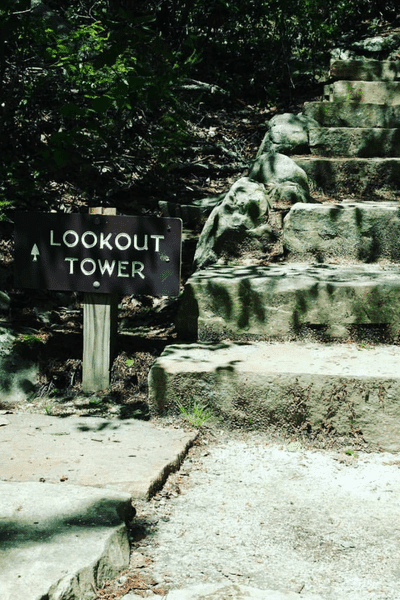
(289, 180)
(288, 134)
(237, 229)
(237, 226)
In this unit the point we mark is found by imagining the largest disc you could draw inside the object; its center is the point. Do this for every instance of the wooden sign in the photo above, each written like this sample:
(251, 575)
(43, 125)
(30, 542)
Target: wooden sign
(98, 253)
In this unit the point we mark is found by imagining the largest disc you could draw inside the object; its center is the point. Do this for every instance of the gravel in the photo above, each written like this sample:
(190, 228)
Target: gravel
(274, 516)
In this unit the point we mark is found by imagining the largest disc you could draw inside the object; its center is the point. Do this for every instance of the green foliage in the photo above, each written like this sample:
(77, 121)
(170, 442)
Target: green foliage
(27, 345)
(264, 49)
(196, 414)
(4, 204)
(351, 453)
(91, 93)
(95, 401)
(90, 101)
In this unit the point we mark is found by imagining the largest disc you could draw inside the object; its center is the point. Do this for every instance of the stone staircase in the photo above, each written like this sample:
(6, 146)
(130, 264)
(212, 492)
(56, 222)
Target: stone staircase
(311, 342)
(356, 148)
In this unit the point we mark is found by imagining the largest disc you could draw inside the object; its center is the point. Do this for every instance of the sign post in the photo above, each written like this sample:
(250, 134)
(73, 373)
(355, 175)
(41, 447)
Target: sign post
(99, 332)
(103, 255)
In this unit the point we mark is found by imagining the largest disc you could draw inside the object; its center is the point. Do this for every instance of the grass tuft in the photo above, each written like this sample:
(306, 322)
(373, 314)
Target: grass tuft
(196, 414)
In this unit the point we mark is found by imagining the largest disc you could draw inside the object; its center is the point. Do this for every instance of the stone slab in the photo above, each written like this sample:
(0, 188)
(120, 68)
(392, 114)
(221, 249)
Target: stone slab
(274, 302)
(366, 177)
(212, 591)
(366, 232)
(60, 541)
(127, 455)
(365, 70)
(366, 92)
(355, 142)
(343, 387)
(66, 490)
(348, 114)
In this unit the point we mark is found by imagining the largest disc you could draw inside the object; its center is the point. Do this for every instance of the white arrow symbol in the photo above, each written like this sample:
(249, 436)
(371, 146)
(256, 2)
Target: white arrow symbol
(35, 252)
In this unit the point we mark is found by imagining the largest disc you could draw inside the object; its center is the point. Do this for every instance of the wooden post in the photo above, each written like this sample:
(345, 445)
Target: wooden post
(99, 332)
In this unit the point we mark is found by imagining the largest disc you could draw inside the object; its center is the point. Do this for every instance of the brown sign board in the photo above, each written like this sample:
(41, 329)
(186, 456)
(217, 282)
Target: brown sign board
(98, 253)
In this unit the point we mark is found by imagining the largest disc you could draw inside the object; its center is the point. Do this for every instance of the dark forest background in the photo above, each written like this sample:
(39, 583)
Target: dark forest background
(101, 100)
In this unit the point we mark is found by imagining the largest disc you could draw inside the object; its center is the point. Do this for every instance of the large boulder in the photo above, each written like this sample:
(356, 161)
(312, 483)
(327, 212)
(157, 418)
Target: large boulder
(288, 134)
(286, 194)
(275, 168)
(237, 227)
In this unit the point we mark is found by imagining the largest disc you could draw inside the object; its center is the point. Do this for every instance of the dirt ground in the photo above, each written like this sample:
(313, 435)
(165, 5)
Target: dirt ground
(272, 512)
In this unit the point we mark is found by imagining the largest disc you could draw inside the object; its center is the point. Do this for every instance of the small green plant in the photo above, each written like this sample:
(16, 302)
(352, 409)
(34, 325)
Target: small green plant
(27, 344)
(95, 401)
(129, 362)
(196, 414)
(47, 410)
(351, 453)
(3, 205)
(364, 346)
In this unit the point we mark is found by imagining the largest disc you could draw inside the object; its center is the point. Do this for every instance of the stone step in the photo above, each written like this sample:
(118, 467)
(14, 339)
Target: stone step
(370, 177)
(367, 232)
(347, 114)
(67, 488)
(355, 142)
(365, 70)
(364, 92)
(60, 541)
(284, 301)
(345, 388)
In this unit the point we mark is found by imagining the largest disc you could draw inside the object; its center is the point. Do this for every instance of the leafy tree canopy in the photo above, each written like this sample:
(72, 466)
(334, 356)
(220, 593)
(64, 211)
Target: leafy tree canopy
(95, 93)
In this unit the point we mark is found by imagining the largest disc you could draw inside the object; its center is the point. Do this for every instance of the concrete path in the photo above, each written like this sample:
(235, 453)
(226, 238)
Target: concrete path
(233, 592)
(249, 512)
(66, 490)
(331, 522)
(212, 591)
